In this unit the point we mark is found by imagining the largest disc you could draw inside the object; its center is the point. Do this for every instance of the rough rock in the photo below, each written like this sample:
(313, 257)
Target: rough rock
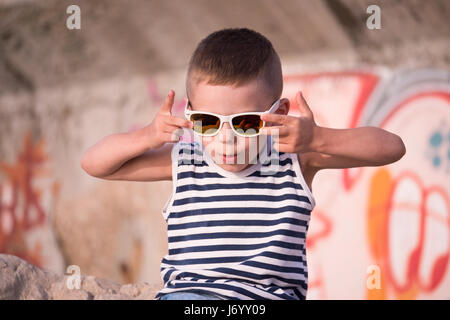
(22, 280)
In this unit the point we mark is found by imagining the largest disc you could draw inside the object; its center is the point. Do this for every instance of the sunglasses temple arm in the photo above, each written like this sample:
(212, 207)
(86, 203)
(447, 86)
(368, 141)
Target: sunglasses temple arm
(273, 108)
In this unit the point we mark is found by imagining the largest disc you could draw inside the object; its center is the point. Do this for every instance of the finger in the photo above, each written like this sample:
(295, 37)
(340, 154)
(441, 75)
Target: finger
(170, 128)
(274, 130)
(176, 134)
(303, 105)
(169, 137)
(168, 103)
(282, 147)
(277, 118)
(177, 121)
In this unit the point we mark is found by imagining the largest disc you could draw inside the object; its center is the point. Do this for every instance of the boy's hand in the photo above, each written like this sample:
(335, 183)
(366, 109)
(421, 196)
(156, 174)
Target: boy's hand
(295, 134)
(165, 127)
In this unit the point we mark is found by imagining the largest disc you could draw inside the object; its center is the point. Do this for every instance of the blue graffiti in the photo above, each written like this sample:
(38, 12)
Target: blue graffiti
(437, 145)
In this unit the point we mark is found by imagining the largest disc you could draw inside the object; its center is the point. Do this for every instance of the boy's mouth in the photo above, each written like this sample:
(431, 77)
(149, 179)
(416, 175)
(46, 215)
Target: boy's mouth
(227, 158)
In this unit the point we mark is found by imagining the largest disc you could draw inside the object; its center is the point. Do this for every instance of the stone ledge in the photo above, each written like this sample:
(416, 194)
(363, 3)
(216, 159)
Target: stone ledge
(22, 280)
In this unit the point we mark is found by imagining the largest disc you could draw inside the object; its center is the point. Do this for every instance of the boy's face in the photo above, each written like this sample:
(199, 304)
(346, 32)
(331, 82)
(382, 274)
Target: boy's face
(226, 100)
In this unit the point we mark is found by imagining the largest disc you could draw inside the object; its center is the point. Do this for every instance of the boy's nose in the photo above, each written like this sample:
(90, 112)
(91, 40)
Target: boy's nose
(226, 133)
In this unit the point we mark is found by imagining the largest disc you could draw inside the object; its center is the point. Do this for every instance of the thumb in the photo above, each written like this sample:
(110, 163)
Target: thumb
(166, 108)
(303, 106)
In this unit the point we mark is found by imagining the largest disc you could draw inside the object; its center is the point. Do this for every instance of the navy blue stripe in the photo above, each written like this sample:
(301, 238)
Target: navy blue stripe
(190, 151)
(168, 273)
(235, 247)
(300, 295)
(192, 143)
(243, 274)
(240, 210)
(280, 163)
(268, 266)
(223, 235)
(249, 185)
(223, 223)
(279, 174)
(197, 175)
(279, 256)
(204, 175)
(192, 162)
(226, 287)
(217, 285)
(241, 197)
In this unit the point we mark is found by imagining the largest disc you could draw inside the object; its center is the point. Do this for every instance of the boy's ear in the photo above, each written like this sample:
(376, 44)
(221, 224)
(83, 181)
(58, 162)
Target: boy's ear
(284, 107)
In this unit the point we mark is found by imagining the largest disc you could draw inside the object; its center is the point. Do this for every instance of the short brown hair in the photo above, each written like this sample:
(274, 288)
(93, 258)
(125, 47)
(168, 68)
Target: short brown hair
(235, 56)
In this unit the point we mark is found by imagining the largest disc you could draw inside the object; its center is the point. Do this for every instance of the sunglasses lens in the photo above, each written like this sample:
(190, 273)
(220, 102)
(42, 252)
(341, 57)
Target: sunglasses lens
(247, 125)
(205, 124)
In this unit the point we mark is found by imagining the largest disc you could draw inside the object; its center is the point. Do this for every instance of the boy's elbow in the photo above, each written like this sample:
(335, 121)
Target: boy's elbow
(400, 149)
(85, 165)
(403, 149)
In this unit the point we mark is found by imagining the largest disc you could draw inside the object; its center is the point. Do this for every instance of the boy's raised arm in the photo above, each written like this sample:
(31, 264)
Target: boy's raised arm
(141, 155)
(329, 148)
(356, 147)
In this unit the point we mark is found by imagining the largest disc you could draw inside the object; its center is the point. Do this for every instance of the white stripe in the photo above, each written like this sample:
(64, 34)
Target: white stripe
(203, 242)
(240, 216)
(243, 204)
(227, 180)
(231, 192)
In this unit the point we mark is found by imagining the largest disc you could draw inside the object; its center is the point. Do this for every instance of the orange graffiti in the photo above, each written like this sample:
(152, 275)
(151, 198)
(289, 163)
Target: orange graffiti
(380, 205)
(19, 199)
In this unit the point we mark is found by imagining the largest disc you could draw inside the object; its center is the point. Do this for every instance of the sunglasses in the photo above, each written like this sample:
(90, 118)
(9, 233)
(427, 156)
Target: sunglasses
(246, 124)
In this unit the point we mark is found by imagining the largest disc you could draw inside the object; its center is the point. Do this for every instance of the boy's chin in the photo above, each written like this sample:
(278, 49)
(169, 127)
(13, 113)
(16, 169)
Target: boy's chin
(232, 167)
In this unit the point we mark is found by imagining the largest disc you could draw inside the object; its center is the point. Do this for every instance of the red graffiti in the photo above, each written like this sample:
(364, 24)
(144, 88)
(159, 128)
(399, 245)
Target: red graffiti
(415, 256)
(16, 217)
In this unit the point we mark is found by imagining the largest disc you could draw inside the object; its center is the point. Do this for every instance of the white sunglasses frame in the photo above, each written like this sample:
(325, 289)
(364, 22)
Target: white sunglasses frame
(229, 118)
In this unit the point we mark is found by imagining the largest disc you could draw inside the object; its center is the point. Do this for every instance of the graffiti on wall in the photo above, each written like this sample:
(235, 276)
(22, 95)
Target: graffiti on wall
(399, 212)
(408, 211)
(24, 204)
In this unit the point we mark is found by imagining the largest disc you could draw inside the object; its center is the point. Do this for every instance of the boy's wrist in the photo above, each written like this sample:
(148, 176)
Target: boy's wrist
(142, 138)
(317, 143)
(146, 137)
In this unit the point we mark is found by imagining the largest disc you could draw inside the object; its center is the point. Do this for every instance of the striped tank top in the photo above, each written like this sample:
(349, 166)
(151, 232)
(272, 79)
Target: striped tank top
(237, 235)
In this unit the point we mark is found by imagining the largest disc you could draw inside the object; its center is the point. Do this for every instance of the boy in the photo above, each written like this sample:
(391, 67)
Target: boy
(237, 230)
